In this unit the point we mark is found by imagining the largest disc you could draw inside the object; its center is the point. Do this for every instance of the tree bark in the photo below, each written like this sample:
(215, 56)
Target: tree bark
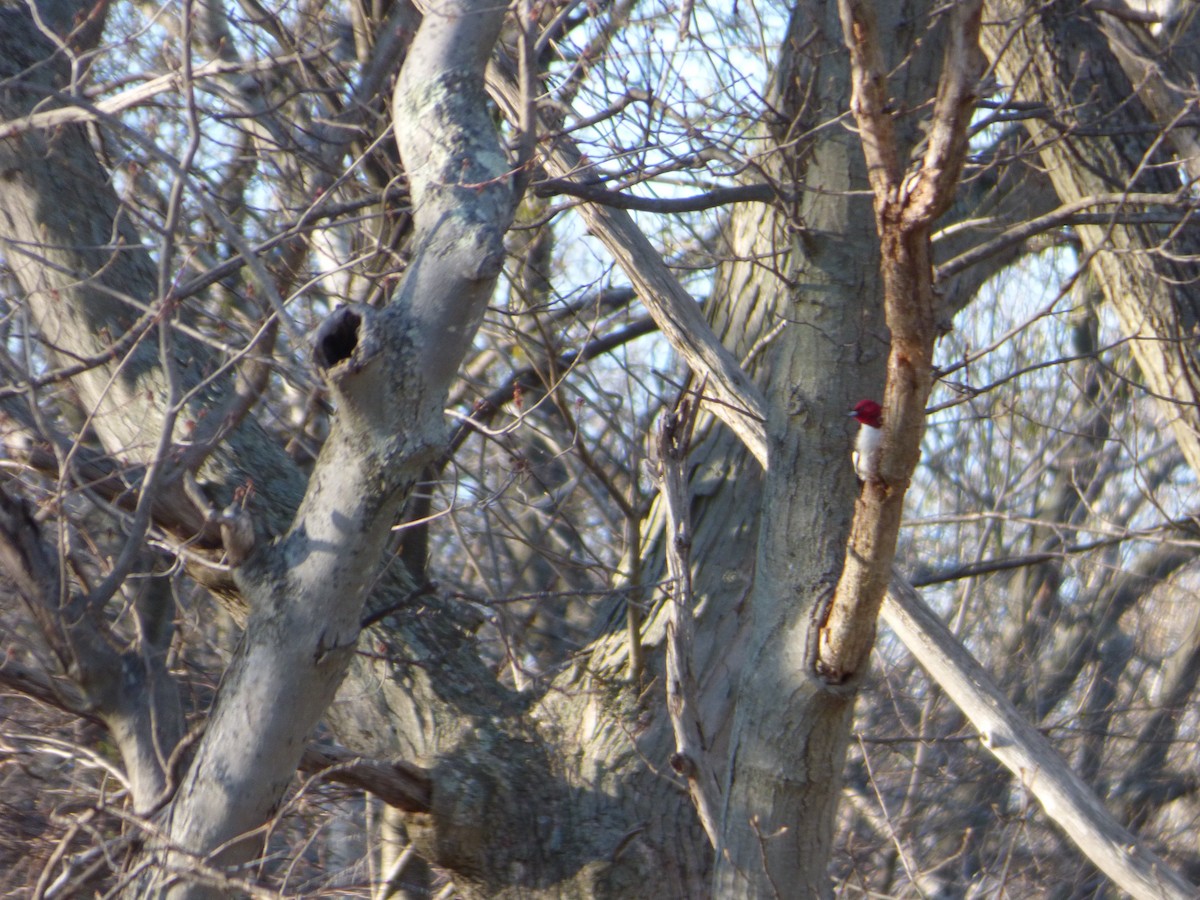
(808, 643)
(389, 372)
(91, 282)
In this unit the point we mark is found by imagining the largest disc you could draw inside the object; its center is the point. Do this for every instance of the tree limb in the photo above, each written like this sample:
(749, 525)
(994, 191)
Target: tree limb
(388, 372)
(1026, 753)
(905, 209)
(671, 443)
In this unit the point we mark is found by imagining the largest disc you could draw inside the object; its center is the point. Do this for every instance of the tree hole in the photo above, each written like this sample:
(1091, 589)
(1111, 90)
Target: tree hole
(337, 338)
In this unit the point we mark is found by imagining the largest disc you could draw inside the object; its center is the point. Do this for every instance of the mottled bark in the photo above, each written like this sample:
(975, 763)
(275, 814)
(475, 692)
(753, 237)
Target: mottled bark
(91, 286)
(389, 372)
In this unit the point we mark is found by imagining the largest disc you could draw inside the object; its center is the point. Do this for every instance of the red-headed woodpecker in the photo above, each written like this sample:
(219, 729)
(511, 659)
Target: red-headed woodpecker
(869, 440)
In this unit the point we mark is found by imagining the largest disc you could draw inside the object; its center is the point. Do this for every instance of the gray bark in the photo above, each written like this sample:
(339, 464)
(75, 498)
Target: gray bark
(389, 372)
(90, 279)
(807, 642)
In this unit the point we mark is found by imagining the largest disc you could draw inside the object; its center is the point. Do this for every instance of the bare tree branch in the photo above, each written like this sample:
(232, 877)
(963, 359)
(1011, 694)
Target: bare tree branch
(692, 760)
(678, 316)
(905, 209)
(1017, 744)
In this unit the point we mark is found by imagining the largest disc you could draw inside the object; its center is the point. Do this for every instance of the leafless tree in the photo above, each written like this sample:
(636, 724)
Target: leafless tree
(427, 465)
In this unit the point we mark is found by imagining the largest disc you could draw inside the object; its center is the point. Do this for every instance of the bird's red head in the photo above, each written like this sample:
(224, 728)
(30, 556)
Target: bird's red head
(868, 412)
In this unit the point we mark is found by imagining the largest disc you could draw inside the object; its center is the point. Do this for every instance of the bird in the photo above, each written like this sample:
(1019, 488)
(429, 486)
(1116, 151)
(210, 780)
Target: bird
(870, 438)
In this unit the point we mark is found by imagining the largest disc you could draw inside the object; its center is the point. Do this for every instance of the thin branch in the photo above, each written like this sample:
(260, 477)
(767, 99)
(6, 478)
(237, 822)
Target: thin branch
(251, 381)
(597, 193)
(1067, 214)
(528, 376)
(678, 315)
(1008, 563)
(77, 112)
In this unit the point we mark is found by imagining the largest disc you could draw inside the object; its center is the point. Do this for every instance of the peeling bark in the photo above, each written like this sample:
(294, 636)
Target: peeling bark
(906, 206)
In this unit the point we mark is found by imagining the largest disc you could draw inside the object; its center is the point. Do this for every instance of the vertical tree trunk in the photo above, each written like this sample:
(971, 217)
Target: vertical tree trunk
(788, 736)
(808, 645)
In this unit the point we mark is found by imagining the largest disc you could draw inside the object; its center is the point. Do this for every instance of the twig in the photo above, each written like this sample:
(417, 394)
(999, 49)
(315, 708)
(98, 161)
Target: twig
(680, 318)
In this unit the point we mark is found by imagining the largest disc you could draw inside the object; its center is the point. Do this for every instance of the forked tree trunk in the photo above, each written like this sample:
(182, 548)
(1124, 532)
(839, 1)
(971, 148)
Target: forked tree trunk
(572, 795)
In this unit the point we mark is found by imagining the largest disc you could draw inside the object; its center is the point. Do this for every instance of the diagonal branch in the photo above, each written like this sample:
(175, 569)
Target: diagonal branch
(388, 372)
(1026, 752)
(949, 132)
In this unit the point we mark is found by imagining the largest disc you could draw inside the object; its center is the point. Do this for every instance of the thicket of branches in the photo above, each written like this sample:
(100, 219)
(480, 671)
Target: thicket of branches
(1050, 522)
